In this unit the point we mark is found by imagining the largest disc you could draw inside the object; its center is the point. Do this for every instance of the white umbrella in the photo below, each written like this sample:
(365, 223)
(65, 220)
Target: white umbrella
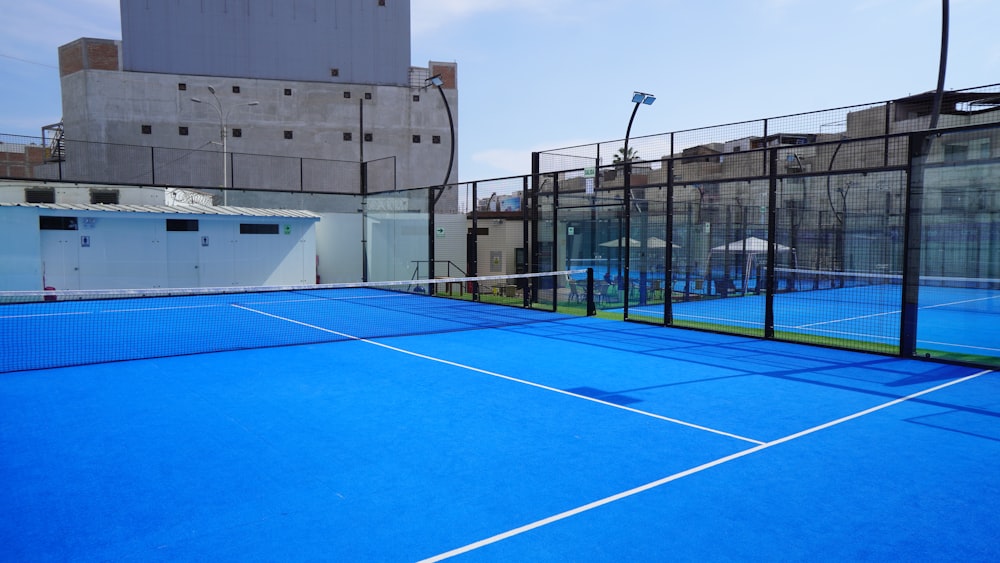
(657, 242)
(620, 242)
(749, 244)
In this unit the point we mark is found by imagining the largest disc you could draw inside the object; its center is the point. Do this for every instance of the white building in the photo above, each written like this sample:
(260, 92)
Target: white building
(108, 246)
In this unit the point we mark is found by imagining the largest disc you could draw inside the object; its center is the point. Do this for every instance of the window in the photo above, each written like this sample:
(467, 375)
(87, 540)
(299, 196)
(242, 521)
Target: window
(416, 139)
(48, 223)
(970, 150)
(237, 132)
(108, 197)
(182, 225)
(334, 72)
(182, 86)
(348, 136)
(347, 95)
(436, 139)
(236, 89)
(416, 97)
(288, 91)
(368, 137)
(288, 134)
(368, 95)
(182, 131)
(956, 152)
(258, 228)
(381, 2)
(39, 195)
(147, 129)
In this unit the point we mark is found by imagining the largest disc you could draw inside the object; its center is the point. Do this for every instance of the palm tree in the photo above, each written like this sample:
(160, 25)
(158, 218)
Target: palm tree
(621, 157)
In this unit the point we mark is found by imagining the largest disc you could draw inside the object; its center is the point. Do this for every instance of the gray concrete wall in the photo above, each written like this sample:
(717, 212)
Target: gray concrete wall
(112, 107)
(332, 41)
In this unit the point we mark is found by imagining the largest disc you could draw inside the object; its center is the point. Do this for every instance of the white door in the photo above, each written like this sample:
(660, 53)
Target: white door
(61, 258)
(183, 258)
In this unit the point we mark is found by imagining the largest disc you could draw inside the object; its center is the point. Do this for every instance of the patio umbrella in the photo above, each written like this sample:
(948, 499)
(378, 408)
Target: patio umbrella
(621, 242)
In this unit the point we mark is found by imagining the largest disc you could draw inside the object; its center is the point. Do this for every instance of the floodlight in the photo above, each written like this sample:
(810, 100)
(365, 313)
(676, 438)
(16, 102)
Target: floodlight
(436, 80)
(648, 100)
(637, 97)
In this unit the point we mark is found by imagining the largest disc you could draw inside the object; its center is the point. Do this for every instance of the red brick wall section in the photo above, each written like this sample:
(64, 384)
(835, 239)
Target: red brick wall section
(97, 54)
(21, 164)
(448, 72)
(35, 155)
(102, 55)
(71, 58)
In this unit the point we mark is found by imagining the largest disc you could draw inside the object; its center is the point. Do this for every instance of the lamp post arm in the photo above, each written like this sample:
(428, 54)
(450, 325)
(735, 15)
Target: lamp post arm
(451, 154)
(451, 129)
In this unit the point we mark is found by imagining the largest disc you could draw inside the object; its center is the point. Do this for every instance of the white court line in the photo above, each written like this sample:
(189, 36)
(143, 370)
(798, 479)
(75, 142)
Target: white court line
(506, 377)
(962, 302)
(970, 347)
(848, 319)
(652, 485)
(42, 315)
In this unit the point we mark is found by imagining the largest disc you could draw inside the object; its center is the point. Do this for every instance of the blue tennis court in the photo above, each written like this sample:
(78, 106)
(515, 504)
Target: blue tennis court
(958, 320)
(543, 437)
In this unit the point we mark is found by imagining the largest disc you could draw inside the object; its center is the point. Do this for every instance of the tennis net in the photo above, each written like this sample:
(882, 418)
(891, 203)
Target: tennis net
(971, 294)
(48, 329)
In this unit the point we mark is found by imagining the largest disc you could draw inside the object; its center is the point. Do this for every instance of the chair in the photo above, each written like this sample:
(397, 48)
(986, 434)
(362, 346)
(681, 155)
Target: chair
(601, 291)
(574, 292)
(656, 287)
(611, 294)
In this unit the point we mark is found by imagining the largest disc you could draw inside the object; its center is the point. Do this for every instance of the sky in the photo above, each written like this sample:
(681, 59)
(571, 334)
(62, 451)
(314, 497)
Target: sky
(538, 75)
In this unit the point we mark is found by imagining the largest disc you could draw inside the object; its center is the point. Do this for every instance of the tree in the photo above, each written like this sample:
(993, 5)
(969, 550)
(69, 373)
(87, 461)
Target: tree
(620, 156)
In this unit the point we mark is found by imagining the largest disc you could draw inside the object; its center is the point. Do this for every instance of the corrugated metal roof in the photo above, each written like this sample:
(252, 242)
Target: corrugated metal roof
(170, 209)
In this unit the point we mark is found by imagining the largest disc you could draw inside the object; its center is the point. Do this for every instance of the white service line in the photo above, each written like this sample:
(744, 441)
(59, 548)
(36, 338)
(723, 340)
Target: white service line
(506, 377)
(687, 472)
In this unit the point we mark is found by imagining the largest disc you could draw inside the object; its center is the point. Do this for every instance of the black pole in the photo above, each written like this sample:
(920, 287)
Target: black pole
(364, 191)
(942, 65)
(474, 243)
(433, 197)
(628, 205)
(451, 128)
(668, 274)
(772, 246)
(431, 200)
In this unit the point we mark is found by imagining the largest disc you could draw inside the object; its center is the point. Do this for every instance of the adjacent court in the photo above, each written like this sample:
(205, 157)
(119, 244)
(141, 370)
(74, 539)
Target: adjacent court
(546, 438)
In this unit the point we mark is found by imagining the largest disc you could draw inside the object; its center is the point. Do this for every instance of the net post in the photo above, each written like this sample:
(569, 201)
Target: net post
(591, 306)
(772, 245)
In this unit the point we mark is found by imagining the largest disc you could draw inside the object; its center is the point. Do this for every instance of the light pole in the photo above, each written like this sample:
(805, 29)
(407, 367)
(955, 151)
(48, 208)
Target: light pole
(638, 98)
(223, 120)
(438, 82)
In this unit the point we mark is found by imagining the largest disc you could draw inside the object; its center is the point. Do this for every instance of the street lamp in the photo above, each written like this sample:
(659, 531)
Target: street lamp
(223, 120)
(438, 82)
(638, 98)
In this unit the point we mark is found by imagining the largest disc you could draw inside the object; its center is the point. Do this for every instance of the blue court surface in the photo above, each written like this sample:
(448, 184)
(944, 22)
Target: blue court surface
(956, 320)
(563, 439)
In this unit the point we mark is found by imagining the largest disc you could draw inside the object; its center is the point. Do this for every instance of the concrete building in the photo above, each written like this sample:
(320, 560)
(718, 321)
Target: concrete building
(312, 79)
